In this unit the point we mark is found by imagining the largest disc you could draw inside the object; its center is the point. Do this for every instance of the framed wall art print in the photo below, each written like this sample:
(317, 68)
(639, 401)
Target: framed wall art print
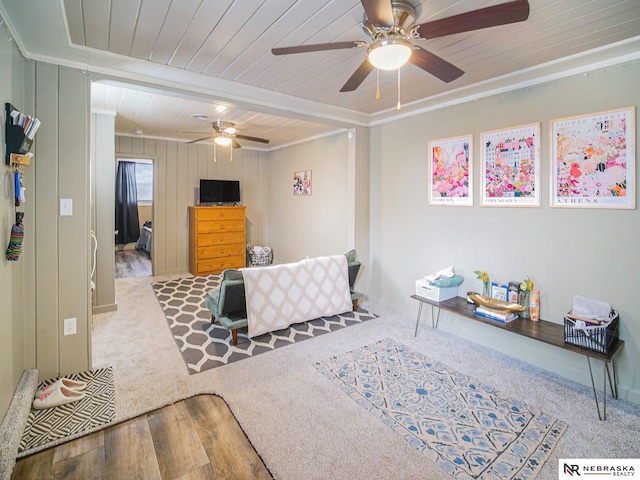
(302, 182)
(451, 171)
(511, 167)
(593, 160)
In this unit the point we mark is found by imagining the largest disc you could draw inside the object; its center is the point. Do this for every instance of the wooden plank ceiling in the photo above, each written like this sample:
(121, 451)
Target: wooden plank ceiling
(232, 40)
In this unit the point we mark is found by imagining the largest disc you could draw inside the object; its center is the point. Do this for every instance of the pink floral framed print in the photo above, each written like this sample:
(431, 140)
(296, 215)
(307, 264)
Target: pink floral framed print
(511, 167)
(451, 171)
(302, 182)
(593, 160)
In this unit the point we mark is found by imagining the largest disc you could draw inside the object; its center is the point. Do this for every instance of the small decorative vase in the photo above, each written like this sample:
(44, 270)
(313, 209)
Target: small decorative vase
(485, 290)
(525, 301)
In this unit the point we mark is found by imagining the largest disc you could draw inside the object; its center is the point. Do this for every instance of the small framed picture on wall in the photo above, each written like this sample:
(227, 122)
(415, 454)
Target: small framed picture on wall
(451, 171)
(302, 182)
(593, 160)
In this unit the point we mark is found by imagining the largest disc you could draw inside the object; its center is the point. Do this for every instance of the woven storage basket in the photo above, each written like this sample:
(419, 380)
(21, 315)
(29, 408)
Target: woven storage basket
(597, 338)
(260, 259)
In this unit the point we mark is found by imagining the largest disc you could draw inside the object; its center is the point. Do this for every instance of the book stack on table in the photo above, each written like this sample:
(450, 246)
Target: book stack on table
(499, 315)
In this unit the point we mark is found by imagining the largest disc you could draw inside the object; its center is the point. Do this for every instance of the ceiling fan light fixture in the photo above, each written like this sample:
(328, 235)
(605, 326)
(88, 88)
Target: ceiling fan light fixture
(223, 141)
(389, 53)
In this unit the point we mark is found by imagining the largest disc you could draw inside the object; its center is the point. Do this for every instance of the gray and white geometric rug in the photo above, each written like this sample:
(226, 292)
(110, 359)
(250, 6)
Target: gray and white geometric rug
(204, 346)
(54, 425)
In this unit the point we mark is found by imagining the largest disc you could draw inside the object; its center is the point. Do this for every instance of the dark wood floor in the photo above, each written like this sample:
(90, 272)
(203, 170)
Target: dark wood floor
(197, 438)
(132, 263)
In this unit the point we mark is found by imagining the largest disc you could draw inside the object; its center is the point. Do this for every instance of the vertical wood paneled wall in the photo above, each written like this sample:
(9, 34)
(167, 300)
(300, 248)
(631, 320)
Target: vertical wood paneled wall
(178, 169)
(13, 346)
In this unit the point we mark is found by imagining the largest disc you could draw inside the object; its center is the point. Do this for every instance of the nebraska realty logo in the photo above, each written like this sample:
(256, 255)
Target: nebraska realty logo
(598, 468)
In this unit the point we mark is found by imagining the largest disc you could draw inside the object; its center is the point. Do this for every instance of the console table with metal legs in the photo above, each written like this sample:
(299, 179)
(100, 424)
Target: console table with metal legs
(543, 331)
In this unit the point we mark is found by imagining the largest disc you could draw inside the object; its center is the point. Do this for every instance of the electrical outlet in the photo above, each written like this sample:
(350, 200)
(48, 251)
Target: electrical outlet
(69, 326)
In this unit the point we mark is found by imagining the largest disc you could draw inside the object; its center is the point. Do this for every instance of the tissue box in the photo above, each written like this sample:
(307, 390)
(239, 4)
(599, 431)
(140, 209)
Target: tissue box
(598, 338)
(437, 294)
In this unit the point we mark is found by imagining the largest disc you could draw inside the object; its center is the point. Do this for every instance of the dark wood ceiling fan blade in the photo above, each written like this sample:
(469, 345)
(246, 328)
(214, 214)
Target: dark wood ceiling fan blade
(200, 139)
(252, 139)
(434, 65)
(378, 12)
(318, 47)
(358, 76)
(503, 14)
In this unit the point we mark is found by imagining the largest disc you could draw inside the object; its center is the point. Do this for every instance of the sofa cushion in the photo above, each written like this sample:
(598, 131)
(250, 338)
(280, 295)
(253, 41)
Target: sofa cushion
(232, 274)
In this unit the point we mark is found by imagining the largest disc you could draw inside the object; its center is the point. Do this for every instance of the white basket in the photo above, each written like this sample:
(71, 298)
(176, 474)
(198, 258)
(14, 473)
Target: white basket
(437, 294)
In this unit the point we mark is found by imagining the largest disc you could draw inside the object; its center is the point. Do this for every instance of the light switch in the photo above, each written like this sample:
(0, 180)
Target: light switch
(66, 207)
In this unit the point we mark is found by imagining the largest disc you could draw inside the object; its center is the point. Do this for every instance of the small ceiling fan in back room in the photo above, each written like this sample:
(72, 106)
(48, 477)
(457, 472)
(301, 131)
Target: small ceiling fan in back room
(224, 135)
(390, 24)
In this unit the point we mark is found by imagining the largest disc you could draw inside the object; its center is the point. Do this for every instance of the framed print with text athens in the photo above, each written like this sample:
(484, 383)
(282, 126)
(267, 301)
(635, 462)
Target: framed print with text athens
(511, 167)
(593, 160)
(451, 171)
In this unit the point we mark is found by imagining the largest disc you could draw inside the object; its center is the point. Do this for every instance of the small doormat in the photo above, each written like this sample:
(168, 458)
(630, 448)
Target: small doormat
(204, 346)
(467, 428)
(51, 426)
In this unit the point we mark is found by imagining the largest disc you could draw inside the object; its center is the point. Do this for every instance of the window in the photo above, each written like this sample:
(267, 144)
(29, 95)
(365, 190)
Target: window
(144, 179)
(144, 182)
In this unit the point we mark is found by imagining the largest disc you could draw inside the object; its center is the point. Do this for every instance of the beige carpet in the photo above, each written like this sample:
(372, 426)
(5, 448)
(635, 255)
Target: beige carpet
(302, 426)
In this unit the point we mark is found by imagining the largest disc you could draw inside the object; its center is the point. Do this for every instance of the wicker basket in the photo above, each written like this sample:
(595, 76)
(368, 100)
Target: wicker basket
(260, 259)
(597, 338)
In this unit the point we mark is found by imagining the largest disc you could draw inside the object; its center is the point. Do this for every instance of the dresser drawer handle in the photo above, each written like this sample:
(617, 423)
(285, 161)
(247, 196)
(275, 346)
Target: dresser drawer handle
(221, 239)
(221, 227)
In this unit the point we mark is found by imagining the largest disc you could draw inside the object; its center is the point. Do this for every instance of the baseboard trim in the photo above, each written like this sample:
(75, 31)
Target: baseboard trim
(12, 427)
(105, 308)
(629, 394)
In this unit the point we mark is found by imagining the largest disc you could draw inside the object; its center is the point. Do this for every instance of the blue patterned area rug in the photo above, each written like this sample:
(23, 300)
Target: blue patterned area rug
(463, 426)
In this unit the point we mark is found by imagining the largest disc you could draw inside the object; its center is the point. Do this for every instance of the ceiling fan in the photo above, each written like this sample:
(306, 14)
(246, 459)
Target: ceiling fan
(391, 26)
(225, 134)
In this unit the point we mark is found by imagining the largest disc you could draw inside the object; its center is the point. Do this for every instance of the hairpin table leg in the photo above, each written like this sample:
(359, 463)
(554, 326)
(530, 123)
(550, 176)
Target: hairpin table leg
(612, 385)
(593, 385)
(418, 319)
(434, 316)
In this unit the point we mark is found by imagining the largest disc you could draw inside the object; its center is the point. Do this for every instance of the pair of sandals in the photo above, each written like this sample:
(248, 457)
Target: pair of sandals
(60, 392)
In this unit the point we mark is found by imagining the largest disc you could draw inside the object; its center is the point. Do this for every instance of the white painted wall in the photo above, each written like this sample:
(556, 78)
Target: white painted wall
(566, 251)
(313, 225)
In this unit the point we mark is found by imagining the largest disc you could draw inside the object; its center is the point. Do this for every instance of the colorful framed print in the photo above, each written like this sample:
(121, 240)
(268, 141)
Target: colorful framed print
(451, 171)
(593, 160)
(302, 182)
(511, 167)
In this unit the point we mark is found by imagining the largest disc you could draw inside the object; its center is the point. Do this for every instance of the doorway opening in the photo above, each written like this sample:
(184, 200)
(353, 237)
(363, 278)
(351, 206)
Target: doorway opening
(134, 217)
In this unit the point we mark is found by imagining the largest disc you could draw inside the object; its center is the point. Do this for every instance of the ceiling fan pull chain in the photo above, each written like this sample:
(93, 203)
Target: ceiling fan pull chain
(214, 153)
(377, 84)
(231, 153)
(399, 106)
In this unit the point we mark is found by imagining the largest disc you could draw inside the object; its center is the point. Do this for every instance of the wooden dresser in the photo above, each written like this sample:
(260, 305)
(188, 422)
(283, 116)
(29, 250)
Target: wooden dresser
(217, 239)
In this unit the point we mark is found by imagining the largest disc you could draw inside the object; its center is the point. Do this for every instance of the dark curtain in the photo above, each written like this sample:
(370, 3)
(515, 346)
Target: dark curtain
(127, 223)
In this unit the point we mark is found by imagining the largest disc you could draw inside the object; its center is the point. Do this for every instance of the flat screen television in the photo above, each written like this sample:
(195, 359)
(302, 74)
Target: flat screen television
(216, 192)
